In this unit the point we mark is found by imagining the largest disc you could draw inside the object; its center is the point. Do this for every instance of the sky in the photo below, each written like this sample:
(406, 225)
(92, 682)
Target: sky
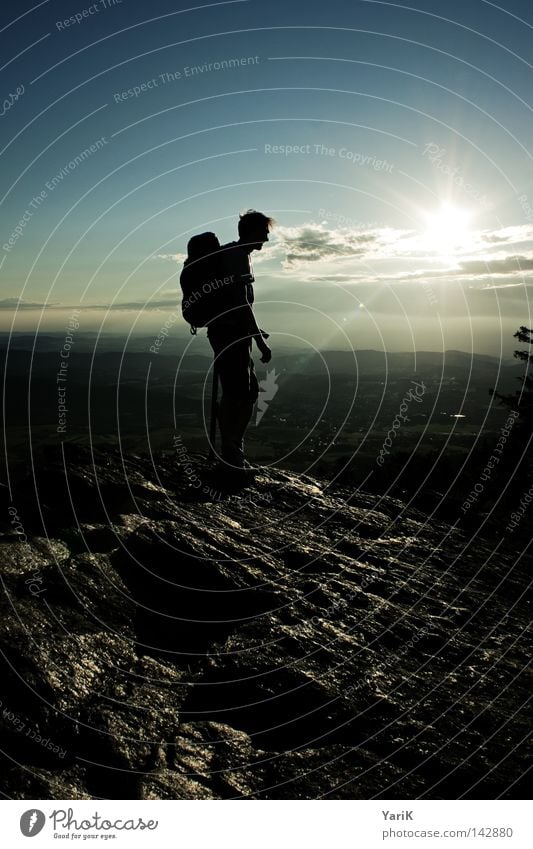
(390, 141)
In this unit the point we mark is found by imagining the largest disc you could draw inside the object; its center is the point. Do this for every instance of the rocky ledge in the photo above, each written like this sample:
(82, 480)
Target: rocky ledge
(163, 637)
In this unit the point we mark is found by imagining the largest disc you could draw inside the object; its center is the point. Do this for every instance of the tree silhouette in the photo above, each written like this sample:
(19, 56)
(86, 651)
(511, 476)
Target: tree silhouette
(522, 399)
(518, 460)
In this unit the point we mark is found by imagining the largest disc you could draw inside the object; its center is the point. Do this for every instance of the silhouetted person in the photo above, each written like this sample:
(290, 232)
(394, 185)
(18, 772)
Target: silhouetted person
(231, 333)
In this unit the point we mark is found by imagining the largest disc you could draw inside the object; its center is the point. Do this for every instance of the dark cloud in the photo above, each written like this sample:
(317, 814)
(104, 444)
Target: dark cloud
(312, 244)
(19, 304)
(495, 238)
(143, 305)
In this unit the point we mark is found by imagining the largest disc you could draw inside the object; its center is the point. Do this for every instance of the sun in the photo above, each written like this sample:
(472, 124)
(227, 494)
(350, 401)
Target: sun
(447, 228)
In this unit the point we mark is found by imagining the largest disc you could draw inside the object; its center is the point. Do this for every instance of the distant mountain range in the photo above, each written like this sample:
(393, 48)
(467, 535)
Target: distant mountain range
(115, 359)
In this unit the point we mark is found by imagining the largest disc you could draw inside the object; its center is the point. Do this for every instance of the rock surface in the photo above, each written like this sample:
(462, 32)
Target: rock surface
(164, 638)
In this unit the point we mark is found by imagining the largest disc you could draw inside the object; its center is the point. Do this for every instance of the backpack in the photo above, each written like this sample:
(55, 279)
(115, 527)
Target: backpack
(200, 280)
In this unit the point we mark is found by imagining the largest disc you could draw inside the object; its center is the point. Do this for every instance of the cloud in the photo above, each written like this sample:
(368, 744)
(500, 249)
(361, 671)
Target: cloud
(333, 278)
(313, 242)
(139, 306)
(509, 265)
(329, 257)
(177, 257)
(173, 301)
(316, 253)
(21, 304)
(517, 234)
(504, 284)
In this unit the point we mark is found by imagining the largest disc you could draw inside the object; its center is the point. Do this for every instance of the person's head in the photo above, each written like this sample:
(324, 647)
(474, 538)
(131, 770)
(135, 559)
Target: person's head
(254, 228)
(202, 245)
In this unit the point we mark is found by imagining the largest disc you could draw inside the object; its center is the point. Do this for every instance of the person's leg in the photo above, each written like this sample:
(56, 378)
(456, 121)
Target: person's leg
(233, 417)
(239, 393)
(246, 406)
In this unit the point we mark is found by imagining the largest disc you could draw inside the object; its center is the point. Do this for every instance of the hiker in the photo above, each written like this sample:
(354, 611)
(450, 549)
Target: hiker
(231, 333)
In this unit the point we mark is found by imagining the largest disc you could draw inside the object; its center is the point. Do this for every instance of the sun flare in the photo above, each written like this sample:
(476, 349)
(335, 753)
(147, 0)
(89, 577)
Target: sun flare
(447, 228)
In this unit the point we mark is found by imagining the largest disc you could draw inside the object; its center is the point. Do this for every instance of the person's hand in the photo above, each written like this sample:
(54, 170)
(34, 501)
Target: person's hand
(266, 353)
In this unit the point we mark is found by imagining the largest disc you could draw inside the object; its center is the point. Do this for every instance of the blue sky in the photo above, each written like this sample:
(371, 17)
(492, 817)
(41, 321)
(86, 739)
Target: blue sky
(392, 143)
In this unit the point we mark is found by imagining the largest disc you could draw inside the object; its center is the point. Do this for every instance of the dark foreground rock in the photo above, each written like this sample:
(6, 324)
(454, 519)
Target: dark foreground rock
(163, 636)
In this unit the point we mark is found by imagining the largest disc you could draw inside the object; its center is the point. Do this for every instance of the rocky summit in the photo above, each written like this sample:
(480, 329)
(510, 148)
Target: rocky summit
(167, 637)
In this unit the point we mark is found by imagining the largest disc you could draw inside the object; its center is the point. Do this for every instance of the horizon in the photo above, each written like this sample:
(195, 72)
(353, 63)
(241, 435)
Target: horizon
(183, 339)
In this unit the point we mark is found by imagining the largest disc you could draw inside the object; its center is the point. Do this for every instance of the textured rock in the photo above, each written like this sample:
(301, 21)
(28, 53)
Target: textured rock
(166, 639)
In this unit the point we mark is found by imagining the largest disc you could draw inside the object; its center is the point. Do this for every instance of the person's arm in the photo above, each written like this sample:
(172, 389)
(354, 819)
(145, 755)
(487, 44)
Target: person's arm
(257, 334)
(251, 324)
(240, 266)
